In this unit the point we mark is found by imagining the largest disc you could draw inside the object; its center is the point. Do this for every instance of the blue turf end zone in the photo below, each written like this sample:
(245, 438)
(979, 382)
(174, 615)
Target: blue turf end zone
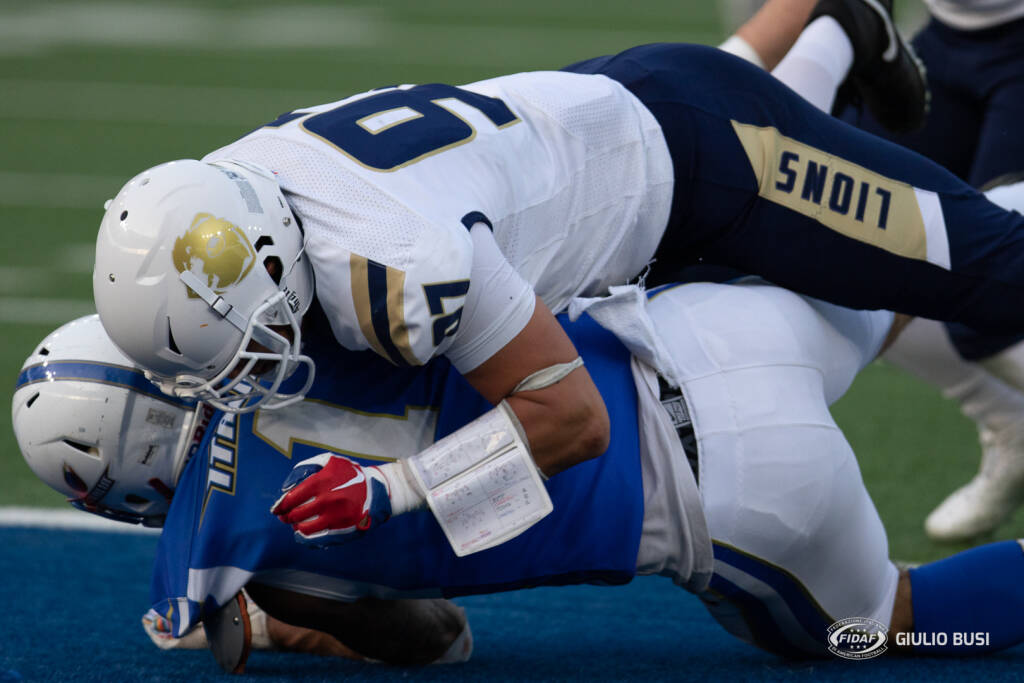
(72, 603)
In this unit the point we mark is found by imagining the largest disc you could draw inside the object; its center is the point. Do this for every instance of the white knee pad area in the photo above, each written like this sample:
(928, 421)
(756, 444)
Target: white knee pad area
(795, 532)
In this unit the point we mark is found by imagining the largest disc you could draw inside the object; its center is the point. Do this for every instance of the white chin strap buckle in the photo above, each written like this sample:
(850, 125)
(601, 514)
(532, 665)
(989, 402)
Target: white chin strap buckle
(215, 302)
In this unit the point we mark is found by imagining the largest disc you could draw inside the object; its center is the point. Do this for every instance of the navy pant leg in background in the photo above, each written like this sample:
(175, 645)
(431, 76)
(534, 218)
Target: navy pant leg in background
(977, 84)
(974, 128)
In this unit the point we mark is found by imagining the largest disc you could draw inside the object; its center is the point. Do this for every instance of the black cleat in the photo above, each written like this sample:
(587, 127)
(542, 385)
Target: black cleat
(887, 74)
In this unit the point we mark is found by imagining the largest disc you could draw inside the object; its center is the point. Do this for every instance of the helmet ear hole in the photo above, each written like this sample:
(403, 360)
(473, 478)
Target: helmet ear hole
(171, 344)
(28, 403)
(91, 451)
(274, 268)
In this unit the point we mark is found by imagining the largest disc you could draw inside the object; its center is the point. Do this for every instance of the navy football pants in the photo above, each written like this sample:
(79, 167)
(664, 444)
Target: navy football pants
(768, 184)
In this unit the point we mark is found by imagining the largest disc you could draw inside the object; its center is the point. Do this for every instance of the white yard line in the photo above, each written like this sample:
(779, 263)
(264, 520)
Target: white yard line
(70, 259)
(58, 190)
(31, 311)
(29, 28)
(35, 28)
(38, 100)
(23, 279)
(76, 257)
(75, 520)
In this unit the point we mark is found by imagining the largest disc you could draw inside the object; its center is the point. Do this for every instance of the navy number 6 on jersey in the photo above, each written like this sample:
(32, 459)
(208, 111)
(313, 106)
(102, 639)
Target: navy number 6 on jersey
(395, 128)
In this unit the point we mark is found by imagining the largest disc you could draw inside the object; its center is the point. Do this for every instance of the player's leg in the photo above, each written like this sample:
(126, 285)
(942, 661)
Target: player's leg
(965, 70)
(988, 391)
(974, 76)
(886, 73)
(818, 62)
(402, 632)
(814, 68)
(851, 44)
(1000, 147)
(798, 544)
(798, 550)
(770, 185)
(797, 541)
(978, 96)
(924, 350)
(267, 633)
(766, 35)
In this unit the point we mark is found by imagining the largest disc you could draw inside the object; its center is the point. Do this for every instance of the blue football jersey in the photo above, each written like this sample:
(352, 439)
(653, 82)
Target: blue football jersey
(219, 531)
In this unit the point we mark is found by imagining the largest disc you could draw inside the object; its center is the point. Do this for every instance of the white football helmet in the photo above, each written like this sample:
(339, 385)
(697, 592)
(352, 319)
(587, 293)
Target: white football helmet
(91, 426)
(194, 264)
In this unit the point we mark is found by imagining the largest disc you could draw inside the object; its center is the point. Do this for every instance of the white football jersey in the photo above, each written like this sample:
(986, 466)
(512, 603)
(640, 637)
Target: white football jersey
(571, 173)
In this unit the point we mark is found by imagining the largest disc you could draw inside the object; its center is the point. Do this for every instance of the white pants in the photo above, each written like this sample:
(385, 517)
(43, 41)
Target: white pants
(797, 541)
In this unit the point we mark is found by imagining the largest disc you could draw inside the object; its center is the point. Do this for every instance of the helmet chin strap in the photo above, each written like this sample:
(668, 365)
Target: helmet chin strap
(214, 300)
(260, 335)
(222, 307)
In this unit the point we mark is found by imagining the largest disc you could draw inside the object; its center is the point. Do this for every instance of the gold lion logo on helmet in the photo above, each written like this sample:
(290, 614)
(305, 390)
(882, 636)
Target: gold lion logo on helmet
(215, 249)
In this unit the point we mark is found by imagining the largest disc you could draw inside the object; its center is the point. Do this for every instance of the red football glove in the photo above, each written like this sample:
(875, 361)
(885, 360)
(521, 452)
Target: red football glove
(327, 498)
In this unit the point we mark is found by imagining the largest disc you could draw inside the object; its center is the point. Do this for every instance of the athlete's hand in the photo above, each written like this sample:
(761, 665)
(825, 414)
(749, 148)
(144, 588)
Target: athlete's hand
(329, 499)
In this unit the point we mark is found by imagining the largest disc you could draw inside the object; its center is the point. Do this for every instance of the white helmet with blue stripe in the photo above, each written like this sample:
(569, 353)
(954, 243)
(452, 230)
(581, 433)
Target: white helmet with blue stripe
(91, 426)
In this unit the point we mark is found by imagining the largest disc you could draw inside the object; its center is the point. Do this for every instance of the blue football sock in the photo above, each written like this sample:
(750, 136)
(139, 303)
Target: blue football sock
(970, 603)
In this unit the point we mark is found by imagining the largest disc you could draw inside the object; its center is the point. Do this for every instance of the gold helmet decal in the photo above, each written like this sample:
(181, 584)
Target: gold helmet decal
(215, 249)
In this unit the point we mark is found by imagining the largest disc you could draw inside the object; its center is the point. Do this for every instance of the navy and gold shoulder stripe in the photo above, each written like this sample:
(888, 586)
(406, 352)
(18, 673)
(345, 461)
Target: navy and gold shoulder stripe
(378, 294)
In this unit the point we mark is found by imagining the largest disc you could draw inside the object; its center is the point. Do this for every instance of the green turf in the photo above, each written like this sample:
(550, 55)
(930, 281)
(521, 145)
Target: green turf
(914, 448)
(79, 115)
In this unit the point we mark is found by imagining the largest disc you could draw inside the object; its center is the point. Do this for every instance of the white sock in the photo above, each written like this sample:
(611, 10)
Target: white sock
(736, 45)
(817, 63)
(1007, 365)
(924, 350)
(1010, 197)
